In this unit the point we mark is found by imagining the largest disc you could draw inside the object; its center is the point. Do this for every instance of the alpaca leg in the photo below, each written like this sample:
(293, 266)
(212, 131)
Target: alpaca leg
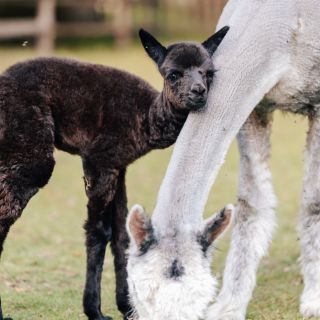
(119, 244)
(26, 158)
(98, 234)
(26, 153)
(18, 183)
(12, 203)
(254, 221)
(310, 224)
(100, 188)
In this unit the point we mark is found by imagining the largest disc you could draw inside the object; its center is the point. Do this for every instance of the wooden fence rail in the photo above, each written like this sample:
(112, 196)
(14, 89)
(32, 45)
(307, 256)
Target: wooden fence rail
(120, 23)
(42, 26)
(45, 28)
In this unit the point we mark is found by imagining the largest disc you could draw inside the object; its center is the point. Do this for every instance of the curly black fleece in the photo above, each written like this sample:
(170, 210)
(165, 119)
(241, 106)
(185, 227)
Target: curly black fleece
(100, 113)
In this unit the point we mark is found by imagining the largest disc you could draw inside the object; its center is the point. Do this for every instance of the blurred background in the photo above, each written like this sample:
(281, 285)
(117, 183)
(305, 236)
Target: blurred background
(48, 23)
(42, 269)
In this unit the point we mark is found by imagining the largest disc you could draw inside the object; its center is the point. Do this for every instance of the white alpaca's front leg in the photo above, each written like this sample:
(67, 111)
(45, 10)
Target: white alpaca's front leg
(310, 224)
(254, 221)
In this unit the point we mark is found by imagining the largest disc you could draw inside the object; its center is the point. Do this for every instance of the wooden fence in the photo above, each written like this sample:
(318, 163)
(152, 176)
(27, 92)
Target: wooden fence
(44, 27)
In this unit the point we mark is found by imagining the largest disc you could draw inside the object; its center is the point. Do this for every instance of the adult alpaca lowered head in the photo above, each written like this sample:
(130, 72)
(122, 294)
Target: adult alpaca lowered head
(168, 269)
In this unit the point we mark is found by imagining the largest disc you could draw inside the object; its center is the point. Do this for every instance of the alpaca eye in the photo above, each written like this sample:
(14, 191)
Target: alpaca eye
(210, 74)
(174, 76)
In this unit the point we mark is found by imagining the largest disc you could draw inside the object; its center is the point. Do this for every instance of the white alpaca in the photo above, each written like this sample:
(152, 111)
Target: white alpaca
(269, 60)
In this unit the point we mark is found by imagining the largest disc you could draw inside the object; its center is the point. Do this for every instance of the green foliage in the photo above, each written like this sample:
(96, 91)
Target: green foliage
(42, 269)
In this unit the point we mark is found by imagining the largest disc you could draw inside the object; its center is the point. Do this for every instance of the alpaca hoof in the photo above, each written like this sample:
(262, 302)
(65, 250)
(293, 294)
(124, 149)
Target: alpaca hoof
(223, 312)
(130, 317)
(310, 308)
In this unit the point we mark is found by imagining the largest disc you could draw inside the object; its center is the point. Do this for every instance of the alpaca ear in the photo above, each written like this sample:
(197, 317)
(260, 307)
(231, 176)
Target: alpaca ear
(156, 51)
(215, 226)
(140, 229)
(212, 43)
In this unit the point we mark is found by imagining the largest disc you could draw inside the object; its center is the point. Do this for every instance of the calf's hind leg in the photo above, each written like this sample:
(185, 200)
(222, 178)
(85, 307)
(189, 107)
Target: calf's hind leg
(14, 195)
(26, 156)
(254, 220)
(18, 183)
(309, 226)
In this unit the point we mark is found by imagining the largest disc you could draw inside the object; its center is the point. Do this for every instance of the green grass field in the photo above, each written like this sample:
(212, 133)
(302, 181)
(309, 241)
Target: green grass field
(43, 264)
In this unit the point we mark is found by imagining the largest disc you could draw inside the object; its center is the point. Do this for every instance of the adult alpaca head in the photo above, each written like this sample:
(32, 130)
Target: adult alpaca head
(169, 272)
(186, 67)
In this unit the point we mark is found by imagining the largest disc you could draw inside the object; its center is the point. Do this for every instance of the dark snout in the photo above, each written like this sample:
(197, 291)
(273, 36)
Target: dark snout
(198, 95)
(198, 89)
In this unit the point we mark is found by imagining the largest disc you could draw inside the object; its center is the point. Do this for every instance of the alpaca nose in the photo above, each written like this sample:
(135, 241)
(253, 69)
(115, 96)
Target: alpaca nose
(198, 89)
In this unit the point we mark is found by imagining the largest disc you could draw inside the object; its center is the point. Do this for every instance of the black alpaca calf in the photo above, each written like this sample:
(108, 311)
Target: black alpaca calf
(109, 118)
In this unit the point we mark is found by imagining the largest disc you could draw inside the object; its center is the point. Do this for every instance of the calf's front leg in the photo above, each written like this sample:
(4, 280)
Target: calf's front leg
(254, 220)
(100, 188)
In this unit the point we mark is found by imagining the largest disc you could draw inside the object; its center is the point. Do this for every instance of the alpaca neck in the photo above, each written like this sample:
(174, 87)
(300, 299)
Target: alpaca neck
(165, 121)
(246, 74)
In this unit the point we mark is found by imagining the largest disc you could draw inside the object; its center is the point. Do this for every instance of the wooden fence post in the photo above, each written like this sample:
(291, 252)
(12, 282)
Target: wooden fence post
(46, 26)
(122, 22)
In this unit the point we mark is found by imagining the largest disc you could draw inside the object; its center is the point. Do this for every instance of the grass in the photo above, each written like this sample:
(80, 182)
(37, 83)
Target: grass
(42, 268)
